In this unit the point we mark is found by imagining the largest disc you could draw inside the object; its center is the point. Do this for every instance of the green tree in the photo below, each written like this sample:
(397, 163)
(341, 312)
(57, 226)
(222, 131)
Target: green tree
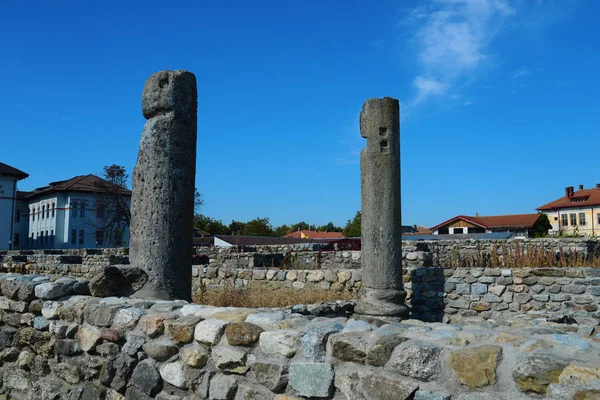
(236, 227)
(353, 227)
(210, 225)
(330, 227)
(300, 226)
(541, 227)
(281, 230)
(258, 227)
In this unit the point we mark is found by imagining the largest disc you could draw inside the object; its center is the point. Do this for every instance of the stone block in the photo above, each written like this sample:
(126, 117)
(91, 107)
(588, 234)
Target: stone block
(419, 360)
(311, 379)
(475, 367)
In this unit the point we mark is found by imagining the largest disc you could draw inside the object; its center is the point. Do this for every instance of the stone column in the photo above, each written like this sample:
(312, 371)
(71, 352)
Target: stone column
(162, 203)
(381, 236)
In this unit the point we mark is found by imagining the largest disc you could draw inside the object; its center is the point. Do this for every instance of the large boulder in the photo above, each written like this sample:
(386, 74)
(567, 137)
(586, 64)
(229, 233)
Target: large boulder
(114, 281)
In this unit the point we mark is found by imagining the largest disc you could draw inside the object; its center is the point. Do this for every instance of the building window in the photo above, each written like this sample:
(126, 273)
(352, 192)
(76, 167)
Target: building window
(33, 215)
(18, 214)
(443, 231)
(581, 218)
(564, 220)
(52, 238)
(573, 218)
(53, 205)
(74, 209)
(82, 209)
(117, 239)
(16, 241)
(458, 231)
(73, 236)
(81, 236)
(100, 211)
(99, 237)
(41, 236)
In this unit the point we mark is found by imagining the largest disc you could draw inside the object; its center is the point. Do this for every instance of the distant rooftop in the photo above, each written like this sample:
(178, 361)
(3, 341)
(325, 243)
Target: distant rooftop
(7, 170)
(305, 233)
(82, 183)
(474, 236)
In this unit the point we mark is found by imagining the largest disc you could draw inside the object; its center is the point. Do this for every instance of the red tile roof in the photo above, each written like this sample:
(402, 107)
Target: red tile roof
(496, 221)
(580, 198)
(82, 183)
(315, 235)
(12, 171)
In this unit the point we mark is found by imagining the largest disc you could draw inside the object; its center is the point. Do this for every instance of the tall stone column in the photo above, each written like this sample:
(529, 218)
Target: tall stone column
(381, 236)
(162, 203)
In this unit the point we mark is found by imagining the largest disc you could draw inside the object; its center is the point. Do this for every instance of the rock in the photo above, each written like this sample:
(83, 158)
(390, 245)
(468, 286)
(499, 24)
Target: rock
(194, 355)
(230, 359)
(67, 347)
(174, 374)
(587, 391)
(88, 337)
(252, 392)
(127, 318)
(160, 351)
(356, 326)
(223, 387)
(133, 344)
(313, 340)
(420, 360)
(311, 379)
(476, 366)
(51, 290)
(572, 341)
(153, 324)
(381, 350)
(233, 316)
(111, 281)
(210, 331)
(278, 343)
(273, 375)
(124, 367)
(266, 320)
(576, 373)
(40, 323)
(50, 309)
(536, 372)
(385, 386)
(181, 330)
(16, 380)
(348, 347)
(67, 372)
(242, 333)
(146, 378)
(428, 395)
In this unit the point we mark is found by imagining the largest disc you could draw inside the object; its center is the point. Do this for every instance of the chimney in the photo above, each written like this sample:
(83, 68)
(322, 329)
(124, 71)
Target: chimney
(580, 187)
(567, 192)
(571, 191)
(477, 214)
(597, 185)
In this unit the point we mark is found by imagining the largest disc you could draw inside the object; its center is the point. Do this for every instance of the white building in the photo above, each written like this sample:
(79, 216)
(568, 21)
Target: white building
(10, 235)
(70, 214)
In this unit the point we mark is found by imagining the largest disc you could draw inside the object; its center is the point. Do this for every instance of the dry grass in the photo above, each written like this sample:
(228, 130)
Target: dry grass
(255, 297)
(519, 257)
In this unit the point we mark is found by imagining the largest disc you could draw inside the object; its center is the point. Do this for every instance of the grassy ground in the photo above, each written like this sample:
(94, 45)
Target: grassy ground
(254, 297)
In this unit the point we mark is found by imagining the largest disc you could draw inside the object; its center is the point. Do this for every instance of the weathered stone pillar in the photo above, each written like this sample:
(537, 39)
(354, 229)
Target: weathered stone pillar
(381, 236)
(162, 203)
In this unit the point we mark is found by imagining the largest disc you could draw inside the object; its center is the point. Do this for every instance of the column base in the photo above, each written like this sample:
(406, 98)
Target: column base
(385, 303)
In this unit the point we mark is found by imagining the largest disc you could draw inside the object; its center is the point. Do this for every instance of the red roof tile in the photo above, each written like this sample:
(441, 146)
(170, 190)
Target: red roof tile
(82, 183)
(496, 221)
(580, 198)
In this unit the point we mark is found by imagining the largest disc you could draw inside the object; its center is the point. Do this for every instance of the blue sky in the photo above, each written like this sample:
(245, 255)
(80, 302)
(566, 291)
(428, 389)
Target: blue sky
(500, 106)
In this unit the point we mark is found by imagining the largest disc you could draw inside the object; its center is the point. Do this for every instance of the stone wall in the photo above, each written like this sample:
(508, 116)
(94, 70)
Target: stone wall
(439, 253)
(56, 344)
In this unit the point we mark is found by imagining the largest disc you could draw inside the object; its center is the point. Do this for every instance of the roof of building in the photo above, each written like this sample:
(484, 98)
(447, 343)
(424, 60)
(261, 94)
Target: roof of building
(579, 198)
(82, 183)
(472, 236)
(200, 233)
(7, 170)
(496, 221)
(315, 235)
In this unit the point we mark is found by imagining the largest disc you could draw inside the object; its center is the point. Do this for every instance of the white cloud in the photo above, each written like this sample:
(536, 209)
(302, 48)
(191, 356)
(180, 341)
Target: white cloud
(453, 38)
(428, 87)
(468, 103)
(519, 73)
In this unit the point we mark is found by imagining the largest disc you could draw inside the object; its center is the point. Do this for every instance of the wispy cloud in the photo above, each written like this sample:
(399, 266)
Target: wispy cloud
(520, 73)
(468, 103)
(453, 38)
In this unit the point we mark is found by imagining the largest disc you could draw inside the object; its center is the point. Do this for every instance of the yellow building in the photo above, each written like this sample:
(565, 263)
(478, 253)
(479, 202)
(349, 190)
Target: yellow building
(575, 212)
